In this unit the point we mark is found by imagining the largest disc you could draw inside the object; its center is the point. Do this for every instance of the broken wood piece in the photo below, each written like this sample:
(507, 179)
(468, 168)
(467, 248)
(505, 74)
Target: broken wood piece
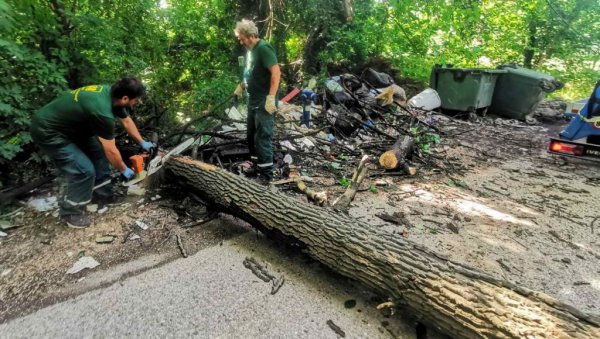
(396, 157)
(261, 272)
(277, 283)
(320, 198)
(460, 300)
(397, 218)
(180, 245)
(336, 328)
(361, 172)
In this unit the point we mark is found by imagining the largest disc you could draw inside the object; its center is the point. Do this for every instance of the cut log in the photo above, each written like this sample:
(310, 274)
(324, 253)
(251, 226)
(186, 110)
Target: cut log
(395, 157)
(459, 300)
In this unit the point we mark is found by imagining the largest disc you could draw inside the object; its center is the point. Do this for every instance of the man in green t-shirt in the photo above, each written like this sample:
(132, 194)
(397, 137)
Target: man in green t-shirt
(261, 80)
(77, 131)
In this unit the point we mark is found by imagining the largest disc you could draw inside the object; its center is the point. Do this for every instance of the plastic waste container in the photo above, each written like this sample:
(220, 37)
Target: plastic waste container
(520, 90)
(464, 89)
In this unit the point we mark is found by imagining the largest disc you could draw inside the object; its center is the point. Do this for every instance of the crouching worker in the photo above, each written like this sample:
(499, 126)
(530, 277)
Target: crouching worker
(77, 131)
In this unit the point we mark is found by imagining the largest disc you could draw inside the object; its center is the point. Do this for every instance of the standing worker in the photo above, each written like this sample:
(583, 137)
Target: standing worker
(77, 131)
(261, 80)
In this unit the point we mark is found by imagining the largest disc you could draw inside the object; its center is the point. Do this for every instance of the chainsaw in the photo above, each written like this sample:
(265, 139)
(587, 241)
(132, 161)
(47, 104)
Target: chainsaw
(144, 165)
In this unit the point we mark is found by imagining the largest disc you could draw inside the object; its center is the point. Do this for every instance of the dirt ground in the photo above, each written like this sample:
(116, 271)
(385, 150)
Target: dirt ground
(489, 196)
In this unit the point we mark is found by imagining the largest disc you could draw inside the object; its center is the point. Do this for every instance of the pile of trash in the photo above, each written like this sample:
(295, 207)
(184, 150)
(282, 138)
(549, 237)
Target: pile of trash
(327, 127)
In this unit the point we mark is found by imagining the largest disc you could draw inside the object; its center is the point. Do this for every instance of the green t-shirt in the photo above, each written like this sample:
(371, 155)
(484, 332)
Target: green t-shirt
(257, 73)
(76, 115)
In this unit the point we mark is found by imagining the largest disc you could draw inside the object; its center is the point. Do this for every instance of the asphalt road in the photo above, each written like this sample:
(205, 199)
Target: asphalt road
(212, 295)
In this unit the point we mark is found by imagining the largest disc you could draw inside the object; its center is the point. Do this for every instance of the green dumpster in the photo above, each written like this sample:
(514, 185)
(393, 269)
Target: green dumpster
(520, 90)
(464, 89)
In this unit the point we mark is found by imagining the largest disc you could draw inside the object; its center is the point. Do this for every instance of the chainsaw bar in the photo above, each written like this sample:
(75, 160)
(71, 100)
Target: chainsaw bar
(157, 162)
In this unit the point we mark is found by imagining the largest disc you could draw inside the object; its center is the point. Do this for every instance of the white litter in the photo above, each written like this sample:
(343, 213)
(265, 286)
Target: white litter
(92, 208)
(288, 159)
(155, 197)
(141, 224)
(82, 264)
(43, 204)
(136, 190)
(2, 234)
(102, 210)
(286, 144)
(134, 237)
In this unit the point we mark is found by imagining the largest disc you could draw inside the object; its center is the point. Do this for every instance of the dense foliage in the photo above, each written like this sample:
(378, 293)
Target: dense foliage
(186, 52)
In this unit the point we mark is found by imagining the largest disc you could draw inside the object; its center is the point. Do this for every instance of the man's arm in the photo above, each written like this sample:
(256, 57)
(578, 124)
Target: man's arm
(113, 154)
(131, 129)
(275, 77)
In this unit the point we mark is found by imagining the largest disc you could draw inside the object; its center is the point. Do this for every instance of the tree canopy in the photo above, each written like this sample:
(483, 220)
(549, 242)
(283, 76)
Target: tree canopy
(186, 52)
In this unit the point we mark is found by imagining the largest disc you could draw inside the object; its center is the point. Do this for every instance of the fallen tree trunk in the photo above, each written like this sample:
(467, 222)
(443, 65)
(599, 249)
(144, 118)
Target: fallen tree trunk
(395, 157)
(461, 301)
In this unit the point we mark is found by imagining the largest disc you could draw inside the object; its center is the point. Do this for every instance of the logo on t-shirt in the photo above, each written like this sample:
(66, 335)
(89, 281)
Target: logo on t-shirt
(90, 88)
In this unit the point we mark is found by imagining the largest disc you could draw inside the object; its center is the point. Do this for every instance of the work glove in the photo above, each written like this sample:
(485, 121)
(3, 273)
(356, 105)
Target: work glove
(147, 146)
(270, 104)
(239, 91)
(128, 173)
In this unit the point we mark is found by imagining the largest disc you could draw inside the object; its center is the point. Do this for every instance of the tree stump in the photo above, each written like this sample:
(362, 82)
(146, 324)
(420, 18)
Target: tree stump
(459, 300)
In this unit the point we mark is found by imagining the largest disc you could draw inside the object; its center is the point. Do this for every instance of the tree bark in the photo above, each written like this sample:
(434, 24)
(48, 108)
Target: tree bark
(461, 301)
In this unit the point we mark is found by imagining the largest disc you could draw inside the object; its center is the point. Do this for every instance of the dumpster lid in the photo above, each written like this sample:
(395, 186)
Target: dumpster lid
(472, 70)
(526, 72)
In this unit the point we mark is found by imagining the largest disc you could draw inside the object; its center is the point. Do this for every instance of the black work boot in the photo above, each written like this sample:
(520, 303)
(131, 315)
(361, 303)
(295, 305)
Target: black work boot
(106, 200)
(79, 221)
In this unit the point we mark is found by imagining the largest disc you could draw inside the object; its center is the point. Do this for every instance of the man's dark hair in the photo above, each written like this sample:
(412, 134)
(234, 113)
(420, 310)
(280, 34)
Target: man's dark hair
(127, 86)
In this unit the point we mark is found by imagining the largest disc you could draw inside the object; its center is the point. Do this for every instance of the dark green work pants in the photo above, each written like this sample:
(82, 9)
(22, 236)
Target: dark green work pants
(85, 169)
(260, 138)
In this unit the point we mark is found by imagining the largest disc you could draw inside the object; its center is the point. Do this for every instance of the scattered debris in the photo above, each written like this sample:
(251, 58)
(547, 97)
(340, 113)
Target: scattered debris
(103, 210)
(180, 245)
(7, 225)
(259, 270)
(83, 263)
(2, 234)
(105, 239)
(136, 190)
(141, 224)
(452, 226)
(263, 274)
(277, 283)
(336, 328)
(92, 208)
(43, 204)
(397, 218)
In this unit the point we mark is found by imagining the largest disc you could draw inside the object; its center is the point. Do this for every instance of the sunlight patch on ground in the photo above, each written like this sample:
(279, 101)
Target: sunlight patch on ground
(475, 208)
(466, 205)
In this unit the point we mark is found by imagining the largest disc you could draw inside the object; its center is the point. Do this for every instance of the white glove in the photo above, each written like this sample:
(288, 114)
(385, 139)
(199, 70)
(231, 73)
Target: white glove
(239, 91)
(270, 104)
